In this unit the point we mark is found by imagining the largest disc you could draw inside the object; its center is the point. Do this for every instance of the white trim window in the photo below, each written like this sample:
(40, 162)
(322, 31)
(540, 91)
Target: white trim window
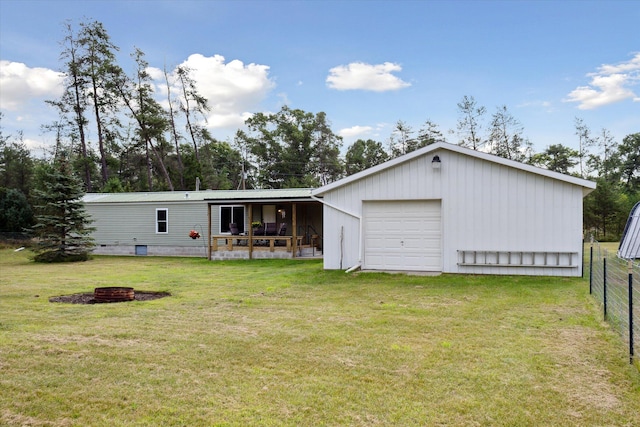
(231, 214)
(162, 221)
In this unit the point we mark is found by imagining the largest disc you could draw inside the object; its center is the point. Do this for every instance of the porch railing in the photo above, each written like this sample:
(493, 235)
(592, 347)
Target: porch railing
(235, 242)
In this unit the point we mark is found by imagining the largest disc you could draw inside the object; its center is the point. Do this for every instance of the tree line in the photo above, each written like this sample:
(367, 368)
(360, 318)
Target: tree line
(119, 134)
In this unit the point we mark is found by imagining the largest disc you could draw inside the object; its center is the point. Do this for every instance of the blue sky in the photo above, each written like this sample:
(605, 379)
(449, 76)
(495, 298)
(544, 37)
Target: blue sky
(366, 64)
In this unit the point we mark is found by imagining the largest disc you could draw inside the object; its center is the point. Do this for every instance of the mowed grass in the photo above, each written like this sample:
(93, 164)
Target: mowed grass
(286, 343)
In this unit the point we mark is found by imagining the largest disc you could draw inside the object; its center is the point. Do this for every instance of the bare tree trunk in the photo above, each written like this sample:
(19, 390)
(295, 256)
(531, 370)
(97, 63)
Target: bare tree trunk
(103, 155)
(80, 123)
(175, 132)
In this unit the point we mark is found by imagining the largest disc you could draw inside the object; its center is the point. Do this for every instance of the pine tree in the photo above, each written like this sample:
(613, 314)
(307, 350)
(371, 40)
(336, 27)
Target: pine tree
(62, 224)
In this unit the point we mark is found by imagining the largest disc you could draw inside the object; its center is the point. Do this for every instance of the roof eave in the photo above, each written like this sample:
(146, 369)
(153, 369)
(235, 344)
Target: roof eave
(590, 185)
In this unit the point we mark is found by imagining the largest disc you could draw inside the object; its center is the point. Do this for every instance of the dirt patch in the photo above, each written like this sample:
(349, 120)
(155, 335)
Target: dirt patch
(88, 298)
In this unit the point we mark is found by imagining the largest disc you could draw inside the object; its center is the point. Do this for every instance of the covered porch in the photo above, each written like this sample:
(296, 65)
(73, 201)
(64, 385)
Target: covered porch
(264, 226)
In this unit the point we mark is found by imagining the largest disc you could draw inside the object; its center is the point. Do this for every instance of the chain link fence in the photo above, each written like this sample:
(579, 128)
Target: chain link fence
(615, 284)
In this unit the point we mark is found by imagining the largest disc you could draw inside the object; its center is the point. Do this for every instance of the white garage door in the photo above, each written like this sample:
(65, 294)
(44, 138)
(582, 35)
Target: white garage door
(402, 235)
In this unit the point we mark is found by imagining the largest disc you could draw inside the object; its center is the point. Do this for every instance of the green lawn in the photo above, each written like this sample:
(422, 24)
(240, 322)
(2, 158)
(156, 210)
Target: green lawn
(276, 342)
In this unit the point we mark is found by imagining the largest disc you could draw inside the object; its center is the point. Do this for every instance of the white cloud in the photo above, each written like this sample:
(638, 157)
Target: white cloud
(355, 131)
(232, 89)
(358, 75)
(610, 84)
(155, 73)
(20, 84)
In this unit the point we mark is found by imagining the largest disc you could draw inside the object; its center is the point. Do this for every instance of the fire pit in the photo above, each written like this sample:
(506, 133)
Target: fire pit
(113, 294)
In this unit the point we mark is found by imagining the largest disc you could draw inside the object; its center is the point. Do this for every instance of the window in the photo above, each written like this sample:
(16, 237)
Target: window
(230, 214)
(162, 221)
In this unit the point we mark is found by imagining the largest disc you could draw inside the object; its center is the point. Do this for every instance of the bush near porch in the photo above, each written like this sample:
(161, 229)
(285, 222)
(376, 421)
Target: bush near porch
(284, 342)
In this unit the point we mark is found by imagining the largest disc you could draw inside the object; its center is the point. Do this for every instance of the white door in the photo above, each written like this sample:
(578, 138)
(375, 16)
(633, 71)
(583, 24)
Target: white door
(402, 235)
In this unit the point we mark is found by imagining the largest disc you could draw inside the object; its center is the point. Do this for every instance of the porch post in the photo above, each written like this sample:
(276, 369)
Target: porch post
(209, 231)
(250, 231)
(294, 225)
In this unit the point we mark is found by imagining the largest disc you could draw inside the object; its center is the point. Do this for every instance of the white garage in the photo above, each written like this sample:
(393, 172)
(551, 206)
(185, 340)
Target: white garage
(402, 235)
(449, 209)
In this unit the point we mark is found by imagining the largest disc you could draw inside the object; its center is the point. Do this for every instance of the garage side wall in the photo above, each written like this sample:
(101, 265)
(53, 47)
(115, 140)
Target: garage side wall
(502, 215)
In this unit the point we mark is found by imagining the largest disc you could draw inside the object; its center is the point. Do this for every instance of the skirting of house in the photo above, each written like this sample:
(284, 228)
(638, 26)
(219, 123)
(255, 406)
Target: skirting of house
(148, 250)
(188, 251)
(227, 255)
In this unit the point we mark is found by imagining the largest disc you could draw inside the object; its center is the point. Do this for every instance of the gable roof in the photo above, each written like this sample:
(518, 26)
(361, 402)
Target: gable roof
(588, 186)
(211, 196)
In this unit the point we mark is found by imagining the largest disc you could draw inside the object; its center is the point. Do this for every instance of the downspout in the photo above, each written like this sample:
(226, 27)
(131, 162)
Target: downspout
(359, 218)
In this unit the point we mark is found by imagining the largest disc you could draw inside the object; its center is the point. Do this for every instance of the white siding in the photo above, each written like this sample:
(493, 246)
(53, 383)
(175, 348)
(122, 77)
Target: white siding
(493, 207)
(485, 206)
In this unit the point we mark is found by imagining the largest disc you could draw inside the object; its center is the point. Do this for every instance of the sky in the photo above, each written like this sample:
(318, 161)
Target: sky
(366, 64)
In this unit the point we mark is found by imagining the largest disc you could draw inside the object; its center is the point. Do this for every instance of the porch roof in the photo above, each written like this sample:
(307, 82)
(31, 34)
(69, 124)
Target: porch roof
(264, 196)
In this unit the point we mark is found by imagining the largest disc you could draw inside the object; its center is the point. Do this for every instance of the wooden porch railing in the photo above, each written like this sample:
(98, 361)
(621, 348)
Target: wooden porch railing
(234, 242)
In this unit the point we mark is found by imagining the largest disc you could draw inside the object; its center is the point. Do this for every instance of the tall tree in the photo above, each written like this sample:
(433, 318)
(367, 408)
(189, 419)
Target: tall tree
(606, 162)
(219, 167)
(629, 152)
(602, 207)
(585, 141)
(192, 103)
(505, 137)
(557, 158)
(16, 163)
(73, 104)
(363, 154)
(429, 134)
(469, 124)
(62, 224)
(98, 66)
(293, 148)
(325, 160)
(151, 120)
(174, 131)
(242, 142)
(401, 140)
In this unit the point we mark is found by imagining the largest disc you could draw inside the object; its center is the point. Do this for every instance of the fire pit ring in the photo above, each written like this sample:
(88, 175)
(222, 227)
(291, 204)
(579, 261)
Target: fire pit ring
(113, 294)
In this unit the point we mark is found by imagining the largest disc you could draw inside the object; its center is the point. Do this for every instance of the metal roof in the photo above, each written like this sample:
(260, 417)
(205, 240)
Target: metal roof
(630, 243)
(200, 196)
(587, 185)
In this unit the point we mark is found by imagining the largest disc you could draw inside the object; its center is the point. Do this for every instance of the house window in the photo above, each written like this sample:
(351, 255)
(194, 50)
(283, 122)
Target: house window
(162, 221)
(231, 214)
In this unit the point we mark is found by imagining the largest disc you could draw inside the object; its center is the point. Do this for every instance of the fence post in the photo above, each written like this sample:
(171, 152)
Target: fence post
(604, 284)
(591, 268)
(630, 264)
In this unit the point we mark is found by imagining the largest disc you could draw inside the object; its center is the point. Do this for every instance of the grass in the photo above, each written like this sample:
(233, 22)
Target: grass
(279, 342)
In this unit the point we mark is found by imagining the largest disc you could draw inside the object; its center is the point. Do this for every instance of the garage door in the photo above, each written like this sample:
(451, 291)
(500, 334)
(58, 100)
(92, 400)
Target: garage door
(402, 235)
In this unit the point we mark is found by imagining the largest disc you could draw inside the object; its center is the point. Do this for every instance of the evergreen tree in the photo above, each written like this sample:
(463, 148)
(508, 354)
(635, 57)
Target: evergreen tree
(62, 225)
(557, 158)
(469, 124)
(429, 134)
(505, 137)
(15, 211)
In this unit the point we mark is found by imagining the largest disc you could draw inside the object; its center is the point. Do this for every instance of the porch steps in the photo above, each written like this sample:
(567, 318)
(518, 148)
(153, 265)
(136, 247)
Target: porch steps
(309, 252)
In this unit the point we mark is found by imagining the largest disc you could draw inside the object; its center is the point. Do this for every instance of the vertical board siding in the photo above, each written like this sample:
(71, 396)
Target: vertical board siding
(507, 209)
(485, 206)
